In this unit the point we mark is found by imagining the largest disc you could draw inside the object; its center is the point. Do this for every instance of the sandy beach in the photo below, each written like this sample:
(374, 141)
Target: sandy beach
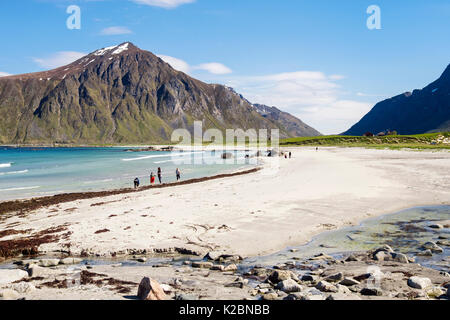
(248, 215)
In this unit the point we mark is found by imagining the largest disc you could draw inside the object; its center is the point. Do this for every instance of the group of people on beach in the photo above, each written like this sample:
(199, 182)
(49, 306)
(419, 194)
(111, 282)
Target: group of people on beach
(159, 175)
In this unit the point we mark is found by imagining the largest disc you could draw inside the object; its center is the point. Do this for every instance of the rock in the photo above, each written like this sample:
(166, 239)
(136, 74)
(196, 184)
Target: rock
(69, 261)
(311, 294)
(381, 256)
(8, 294)
(48, 262)
(186, 297)
(37, 271)
(202, 265)
(335, 277)
(433, 247)
(443, 243)
(309, 277)
(321, 256)
(166, 288)
(435, 292)
(400, 257)
(349, 282)
(26, 262)
(343, 289)
(437, 226)
(352, 258)
(325, 286)
(231, 267)
(218, 267)
(342, 296)
(371, 292)
(385, 248)
(213, 255)
(11, 275)
(23, 287)
(289, 286)
(149, 289)
(419, 283)
(270, 296)
(279, 275)
(426, 253)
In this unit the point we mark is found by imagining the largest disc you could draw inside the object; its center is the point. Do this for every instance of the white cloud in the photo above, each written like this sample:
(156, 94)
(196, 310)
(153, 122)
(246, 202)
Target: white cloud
(168, 4)
(59, 59)
(4, 74)
(214, 68)
(175, 63)
(181, 65)
(115, 31)
(313, 96)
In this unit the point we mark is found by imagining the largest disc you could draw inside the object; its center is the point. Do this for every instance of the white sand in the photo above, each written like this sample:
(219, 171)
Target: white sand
(254, 214)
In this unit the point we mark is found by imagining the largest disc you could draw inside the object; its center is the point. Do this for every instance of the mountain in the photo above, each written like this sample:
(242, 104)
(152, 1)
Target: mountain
(292, 125)
(120, 95)
(426, 110)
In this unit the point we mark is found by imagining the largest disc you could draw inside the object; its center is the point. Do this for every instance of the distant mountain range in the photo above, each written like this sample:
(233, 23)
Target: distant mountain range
(422, 111)
(123, 95)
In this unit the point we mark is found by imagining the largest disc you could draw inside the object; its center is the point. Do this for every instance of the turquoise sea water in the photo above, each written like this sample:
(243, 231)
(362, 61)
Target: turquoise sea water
(34, 172)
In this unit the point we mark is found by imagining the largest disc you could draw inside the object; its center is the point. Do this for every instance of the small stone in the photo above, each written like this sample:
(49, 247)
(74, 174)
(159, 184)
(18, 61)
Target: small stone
(218, 267)
(325, 286)
(69, 261)
(335, 277)
(400, 257)
(437, 226)
(419, 283)
(202, 265)
(11, 275)
(289, 286)
(371, 292)
(279, 275)
(309, 277)
(352, 258)
(433, 247)
(48, 262)
(149, 289)
(270, 296)
(231, 267)
(349, 282)
(426, 253)
(311, 294)
(381, 256)
(321, 256)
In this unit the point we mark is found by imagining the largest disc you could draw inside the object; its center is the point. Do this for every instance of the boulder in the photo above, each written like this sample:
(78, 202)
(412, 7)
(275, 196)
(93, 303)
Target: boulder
(289, 286)
(371, 292)
(419, 283)
(149, 289)
(400, 257)
(11, 275)
(335, 277)
(325, 286)
(48, 262)
(279, 275)
(349, 282)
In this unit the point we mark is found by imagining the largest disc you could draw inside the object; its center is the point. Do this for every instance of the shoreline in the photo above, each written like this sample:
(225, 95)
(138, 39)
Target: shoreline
(26, 205)
(249, 215)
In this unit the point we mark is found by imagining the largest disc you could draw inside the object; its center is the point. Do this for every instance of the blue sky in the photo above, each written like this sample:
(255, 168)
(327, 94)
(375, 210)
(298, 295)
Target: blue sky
(315, 59)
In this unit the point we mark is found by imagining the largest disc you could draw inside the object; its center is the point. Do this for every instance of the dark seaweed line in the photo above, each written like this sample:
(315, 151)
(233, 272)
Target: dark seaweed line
(37, 203)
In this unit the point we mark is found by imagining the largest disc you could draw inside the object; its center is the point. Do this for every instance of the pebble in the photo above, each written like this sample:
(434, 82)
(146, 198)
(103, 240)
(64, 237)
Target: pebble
(371, 292)
(349, 282)
(289, 286)
(335, 277)
(325, 286)
(400, 257)
(419, 283)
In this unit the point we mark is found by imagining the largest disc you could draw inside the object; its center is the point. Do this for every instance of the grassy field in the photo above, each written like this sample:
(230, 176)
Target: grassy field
(420, 141)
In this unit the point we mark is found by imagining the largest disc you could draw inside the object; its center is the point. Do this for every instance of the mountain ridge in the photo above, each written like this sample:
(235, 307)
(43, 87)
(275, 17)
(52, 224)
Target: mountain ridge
(118, 95)
(424, 110)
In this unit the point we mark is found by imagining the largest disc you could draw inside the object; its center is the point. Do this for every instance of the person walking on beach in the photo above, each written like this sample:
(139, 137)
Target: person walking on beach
(178, 173)
(290, 154)
(160, 175)
(152, 178)
(136, 183)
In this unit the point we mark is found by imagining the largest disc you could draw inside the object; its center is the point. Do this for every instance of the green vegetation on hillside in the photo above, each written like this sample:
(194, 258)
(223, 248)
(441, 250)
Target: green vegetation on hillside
(420, 141)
